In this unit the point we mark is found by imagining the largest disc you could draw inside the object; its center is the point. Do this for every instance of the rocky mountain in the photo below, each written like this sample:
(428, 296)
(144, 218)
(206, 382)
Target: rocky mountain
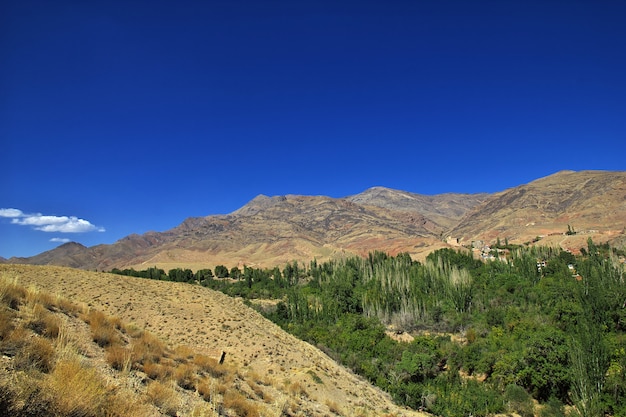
(586, 203)
(444, 209)
(271, 231)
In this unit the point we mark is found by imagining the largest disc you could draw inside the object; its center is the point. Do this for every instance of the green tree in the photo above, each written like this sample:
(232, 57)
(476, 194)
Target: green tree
(221, 271)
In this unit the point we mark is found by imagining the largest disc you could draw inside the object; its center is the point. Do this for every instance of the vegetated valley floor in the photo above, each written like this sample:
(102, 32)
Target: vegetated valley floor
(209, 321)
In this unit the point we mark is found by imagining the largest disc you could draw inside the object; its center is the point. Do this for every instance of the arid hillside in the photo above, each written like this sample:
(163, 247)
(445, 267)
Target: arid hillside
(270, 231)
(586, 204)
(298, 379)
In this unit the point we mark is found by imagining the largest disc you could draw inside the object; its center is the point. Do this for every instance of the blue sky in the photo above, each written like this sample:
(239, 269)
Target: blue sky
(120, 117)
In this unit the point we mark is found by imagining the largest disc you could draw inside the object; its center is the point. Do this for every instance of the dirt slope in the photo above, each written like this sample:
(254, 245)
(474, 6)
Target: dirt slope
(207, 320)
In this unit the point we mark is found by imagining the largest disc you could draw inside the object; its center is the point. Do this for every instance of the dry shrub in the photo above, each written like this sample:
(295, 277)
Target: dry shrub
(133, 330)
(296, 389)
(118, 357)
(147, 348)
(21, 396)
(11, 294)
(183, 353)
(103, 330)
(125, 404)
(204, 387)
(77, 390)
(333, 407)
(164, 397)
(34, 296)
(156, 370)
(34, 353)
(185, 376)
(211, 366)
(258, 391)
(240, 405)
(221, 388)
(6, 322)
(68, 307)
(43, 322)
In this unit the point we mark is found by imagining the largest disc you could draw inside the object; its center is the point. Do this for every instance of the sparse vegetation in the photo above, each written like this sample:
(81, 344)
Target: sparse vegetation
(48, 375)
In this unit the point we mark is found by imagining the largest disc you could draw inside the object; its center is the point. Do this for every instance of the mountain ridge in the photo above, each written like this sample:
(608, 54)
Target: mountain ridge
(269, 231)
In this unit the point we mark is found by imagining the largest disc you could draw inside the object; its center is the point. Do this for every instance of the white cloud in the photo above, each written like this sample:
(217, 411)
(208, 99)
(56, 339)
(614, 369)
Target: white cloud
(62, 224)
(60, 240)
(11, 212)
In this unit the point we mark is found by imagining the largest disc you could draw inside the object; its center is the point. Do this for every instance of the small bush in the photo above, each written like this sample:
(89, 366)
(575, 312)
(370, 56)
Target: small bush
(44, 323)
(77, 390)
(157, 371)
(185, 376)
(204, 388)
(35, 353)
(103, 330)
(11, 294)
(183, 353)
(518, 401)
(6, 322)
(118, 357)
(147, 348)
(333, 407)
(164, 397)
(235, 401)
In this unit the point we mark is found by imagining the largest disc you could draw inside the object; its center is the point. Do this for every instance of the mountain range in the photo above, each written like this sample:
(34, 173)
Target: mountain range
(563, 209)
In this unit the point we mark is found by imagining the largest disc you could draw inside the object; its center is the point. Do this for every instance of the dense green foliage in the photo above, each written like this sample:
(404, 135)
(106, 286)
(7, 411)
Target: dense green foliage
(490, 337)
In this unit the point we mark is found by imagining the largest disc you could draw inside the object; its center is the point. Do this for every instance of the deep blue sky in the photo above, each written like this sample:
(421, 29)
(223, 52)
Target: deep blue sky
(130, 116)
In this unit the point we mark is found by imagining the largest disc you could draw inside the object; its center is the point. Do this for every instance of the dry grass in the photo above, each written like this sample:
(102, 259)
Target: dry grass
(43, 322)
(11, 294)
(118, 357)
(37, 353)
(206, 389)
(103, 330)
(147, 348)
(296, 389)
(6, 322)
(333, 407)
(185, 376)
(233, 400)
(157, 371)
(78, 390)
(163, 396)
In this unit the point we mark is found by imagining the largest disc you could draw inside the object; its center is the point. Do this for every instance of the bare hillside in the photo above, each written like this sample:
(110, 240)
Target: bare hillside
(592, 203)
(208, 321)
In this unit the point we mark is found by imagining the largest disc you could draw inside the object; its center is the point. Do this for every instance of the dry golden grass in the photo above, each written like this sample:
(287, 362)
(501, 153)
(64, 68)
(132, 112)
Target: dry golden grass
(183, 353)
(118, 357)
(6, 322)
(233, 400)
(157, 371)
(163, 396)
(36, 353)
(103, 330)
(185, 376)
(147, 348)
(297, 390)
(333, 407)
(43, 322)
(78, 390)
(35, 296)
(11, 294)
